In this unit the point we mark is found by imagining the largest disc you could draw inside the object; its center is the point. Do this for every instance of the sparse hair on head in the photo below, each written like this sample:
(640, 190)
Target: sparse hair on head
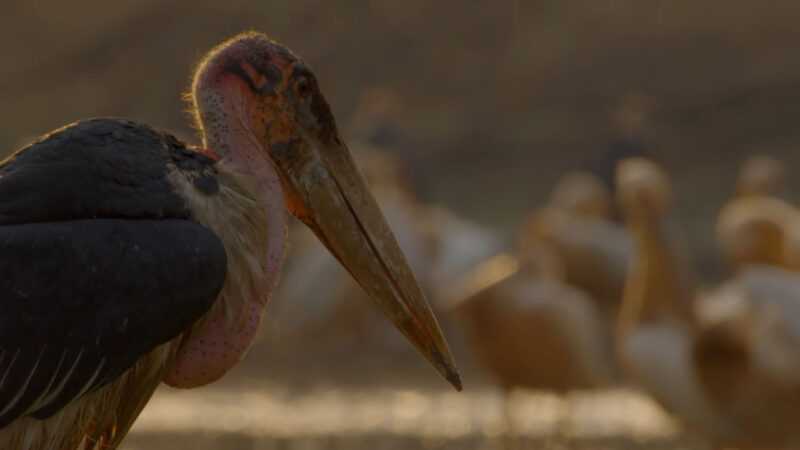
(215, 60)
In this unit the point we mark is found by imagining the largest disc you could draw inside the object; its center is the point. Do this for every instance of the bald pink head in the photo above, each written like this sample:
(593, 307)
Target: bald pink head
(259, 107)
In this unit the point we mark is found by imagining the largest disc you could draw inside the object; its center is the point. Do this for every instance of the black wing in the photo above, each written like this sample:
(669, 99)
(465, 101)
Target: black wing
(97, 267)
(99, 168)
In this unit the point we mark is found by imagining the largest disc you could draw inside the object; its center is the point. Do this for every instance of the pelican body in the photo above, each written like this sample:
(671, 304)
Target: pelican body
(530, 320)
(726, 366)
(130, 258)
(756, 226)
(538, 333)
(578, 223)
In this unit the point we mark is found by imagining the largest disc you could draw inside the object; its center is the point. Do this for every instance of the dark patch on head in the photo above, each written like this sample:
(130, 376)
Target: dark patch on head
(320, 108)
(260, 64)
(279, 149)
(235, 68)
(265, 57)
(318, 105)
(282, 151)
(274, 78)
(271, 60)
(301, 70)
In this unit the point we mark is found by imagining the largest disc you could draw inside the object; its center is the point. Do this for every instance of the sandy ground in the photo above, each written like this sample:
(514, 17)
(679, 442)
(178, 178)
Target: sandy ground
(388, 398)
(276, 417)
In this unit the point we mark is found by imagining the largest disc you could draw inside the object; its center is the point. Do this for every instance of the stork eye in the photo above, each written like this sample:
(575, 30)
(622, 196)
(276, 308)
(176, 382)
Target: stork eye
(302, 87)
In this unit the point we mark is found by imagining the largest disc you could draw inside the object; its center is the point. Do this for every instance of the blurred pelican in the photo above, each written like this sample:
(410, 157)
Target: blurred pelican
(584, 195)
(577, 223)
(460, 246)
(728, 371)
(531, 329)
(748, 354)
(752, 227)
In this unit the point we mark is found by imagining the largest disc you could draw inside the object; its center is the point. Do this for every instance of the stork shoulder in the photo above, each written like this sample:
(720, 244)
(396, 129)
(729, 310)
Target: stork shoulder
(113, 168)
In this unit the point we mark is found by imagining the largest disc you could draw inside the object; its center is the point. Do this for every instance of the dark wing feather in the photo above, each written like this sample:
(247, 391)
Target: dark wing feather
(81, 301)
(97, 168)
(99, 262)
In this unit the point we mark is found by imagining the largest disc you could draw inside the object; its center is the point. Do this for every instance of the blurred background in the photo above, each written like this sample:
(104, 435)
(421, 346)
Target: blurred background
(471, 108)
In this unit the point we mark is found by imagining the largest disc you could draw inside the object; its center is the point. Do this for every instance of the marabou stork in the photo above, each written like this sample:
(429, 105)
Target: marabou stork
(129, 258)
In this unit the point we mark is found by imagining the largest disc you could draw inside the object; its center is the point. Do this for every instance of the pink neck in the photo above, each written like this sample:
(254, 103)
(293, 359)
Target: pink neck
(237, 144)
(214, 349)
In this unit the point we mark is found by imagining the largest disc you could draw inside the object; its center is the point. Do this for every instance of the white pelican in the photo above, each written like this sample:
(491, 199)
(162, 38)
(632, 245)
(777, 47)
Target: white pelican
(728, 371)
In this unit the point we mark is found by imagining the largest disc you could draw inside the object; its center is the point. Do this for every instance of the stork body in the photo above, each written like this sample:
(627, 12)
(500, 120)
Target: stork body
(99, 216)
(130, 258)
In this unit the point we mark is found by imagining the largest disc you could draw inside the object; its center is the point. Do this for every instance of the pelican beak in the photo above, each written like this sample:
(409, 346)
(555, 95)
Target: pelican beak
(326, 191)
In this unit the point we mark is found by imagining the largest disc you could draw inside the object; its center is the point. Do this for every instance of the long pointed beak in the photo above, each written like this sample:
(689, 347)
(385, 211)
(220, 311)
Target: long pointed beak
(332, 198)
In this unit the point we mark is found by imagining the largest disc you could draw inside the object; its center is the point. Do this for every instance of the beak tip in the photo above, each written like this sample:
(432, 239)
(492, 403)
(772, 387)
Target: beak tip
(455, 379)
(445, 365)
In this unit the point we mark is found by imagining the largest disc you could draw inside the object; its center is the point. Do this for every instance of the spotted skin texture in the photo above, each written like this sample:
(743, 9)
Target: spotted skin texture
(237, 216)
(237, 94)
(215, 348)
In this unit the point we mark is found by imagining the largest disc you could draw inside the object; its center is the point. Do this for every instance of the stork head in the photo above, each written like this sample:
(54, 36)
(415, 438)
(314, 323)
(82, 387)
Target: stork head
(270, 95)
